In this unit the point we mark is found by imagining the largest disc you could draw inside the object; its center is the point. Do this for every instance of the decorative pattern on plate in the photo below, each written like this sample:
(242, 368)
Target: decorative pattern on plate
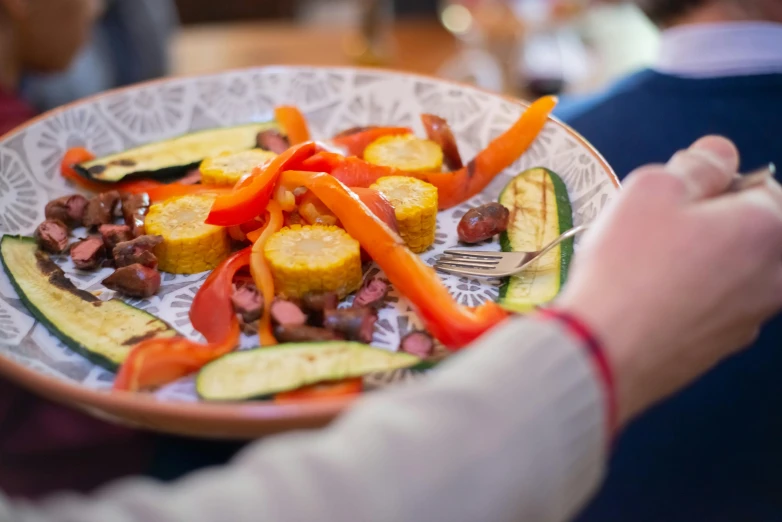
(334, 99)
(46, 141)
(151, 113)
(21, 198)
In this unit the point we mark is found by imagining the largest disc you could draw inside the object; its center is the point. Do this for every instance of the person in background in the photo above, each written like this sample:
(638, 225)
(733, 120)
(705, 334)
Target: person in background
(714, 452)
(517, 426)
(128, 44)
(46, 447)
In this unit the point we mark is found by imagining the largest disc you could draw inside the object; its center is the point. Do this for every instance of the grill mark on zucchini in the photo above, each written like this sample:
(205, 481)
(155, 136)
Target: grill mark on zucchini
(58, 278)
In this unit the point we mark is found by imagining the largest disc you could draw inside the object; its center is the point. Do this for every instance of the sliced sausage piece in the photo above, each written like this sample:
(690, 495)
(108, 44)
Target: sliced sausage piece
(357, 324)
(137, 251)
(68, 209)
(134, 281)
(134, 211)
(438, 130)
(52, 236)
(286, 313)
(114, 234)
(305, 334)
(316, 304)
(89, 253)
(247, 302)
(372, 294)
(354, 130)
(273, 141)
(419, 344)
(482, 223)
(100, 209)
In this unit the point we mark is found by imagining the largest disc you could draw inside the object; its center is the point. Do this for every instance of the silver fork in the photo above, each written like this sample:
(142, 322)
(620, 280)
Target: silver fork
(475, 263)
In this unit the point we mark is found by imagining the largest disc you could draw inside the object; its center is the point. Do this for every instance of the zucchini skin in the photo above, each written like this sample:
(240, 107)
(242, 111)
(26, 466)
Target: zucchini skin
(168, 173)
(66, 285)
(565, 219)
(207, 374)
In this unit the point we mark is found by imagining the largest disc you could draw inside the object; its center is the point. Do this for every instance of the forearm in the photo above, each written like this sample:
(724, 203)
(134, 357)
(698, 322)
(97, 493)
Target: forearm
(512, 429)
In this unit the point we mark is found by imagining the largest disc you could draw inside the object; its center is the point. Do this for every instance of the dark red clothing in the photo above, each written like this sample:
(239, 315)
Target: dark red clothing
(45, 447)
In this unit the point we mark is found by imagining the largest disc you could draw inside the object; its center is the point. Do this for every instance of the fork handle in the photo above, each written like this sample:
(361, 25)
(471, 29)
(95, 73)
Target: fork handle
(573, 232)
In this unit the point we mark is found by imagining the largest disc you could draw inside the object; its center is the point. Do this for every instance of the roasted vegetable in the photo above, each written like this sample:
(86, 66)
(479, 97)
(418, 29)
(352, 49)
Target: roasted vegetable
(156, 362)
(438, 130)
(316, 213)
(261, 273)
(228, 168)
(407, 152)
(322, 391)
(356, 140)
(540, 212)
(415, 207)
(452, 324)
(313, 259)
(189, 245)
(171, 159)
(102, 331)
(251, 374)
(293, 124)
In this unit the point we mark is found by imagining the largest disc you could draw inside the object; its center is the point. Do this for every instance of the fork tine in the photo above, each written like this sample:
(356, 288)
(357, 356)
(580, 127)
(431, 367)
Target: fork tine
(467, 265)
(488, 263)
(457, 271)
(474, 253)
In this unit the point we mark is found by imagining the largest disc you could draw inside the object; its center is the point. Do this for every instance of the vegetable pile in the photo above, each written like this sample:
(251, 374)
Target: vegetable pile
(285, 224)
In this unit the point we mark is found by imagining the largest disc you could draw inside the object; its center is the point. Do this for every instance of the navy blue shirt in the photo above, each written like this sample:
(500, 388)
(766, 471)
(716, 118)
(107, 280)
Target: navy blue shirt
(714, 452)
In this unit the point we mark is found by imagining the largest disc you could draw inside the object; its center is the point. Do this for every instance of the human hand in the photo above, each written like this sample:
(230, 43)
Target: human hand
(677, 275)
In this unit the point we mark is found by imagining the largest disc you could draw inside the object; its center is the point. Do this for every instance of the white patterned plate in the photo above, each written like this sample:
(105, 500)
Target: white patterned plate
(332, 99)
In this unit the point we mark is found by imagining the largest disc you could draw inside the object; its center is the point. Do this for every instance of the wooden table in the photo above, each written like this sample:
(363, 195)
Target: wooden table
(421, 46)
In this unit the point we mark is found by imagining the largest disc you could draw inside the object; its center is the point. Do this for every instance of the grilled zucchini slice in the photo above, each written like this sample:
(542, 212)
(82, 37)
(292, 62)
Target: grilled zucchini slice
(171, 159)
(540, 212)
(102, 331)
(258, 373)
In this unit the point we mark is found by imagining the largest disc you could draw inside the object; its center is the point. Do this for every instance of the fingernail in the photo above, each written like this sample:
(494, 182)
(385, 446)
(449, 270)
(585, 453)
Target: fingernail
(720, 151)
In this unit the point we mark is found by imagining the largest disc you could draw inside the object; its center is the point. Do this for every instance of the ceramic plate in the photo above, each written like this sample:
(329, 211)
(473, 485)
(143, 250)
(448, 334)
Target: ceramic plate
(333, 99)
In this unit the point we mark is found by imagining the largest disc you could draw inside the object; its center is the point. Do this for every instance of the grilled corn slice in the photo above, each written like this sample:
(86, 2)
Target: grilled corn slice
(415, 206)
(313, 259)
(189, 245)
(228, 168)
(406, 152)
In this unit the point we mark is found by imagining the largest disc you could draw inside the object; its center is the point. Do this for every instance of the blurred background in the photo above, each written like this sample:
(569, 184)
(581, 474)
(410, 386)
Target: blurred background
(523, 48)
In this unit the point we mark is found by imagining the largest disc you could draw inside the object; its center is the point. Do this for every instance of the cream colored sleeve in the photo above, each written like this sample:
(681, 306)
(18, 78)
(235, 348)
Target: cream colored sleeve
(511, 429)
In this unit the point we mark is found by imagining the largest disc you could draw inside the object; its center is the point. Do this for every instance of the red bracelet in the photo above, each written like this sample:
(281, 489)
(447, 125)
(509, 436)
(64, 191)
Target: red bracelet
(581, 331)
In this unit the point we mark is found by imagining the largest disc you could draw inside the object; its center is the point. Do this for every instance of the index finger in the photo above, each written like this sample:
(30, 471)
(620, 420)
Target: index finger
(707, 167)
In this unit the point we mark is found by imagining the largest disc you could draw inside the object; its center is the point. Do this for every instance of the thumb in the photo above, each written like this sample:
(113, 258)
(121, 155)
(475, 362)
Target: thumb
(707, 167)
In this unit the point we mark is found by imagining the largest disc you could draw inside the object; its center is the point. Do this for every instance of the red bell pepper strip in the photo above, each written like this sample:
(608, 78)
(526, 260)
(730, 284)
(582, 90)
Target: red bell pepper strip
(452, 324)
(322, 391)
(251, 196)
(261, 273)
(159, 361)
(293, 124)
(457, 187)
(355, 142)
(438, 130)
(323, 161)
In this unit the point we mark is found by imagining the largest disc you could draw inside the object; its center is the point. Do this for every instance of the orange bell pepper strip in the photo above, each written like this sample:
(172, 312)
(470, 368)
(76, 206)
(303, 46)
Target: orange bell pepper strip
(358, 139)
(159, 361)
(262, 275)
(322, 391)
(293, 124)
(251, 196)
(451, 323)
(457, 187)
